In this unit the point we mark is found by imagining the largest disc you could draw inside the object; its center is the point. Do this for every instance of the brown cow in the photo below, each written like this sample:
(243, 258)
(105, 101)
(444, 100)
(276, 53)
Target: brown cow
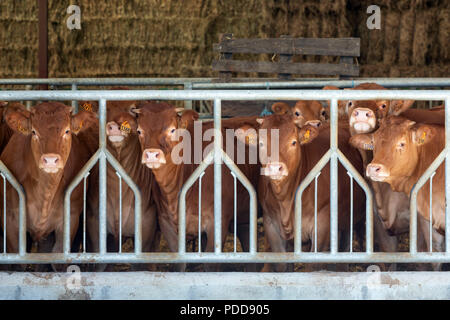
(301, 150)
(305, 112)
(403, 150)
(123, 143)
(44, 155)
(156, 131)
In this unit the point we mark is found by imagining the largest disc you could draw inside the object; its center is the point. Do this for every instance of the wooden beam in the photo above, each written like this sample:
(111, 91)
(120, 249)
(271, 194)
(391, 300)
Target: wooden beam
(286, 67)
(292, 46)
(43, 41)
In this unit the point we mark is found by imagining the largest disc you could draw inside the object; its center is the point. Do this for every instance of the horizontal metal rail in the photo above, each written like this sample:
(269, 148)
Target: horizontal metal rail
(244, 83)
(224, 95)
(217, 156)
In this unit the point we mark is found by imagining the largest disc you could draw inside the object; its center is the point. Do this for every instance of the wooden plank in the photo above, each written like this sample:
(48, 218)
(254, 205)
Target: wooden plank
(285, 58)
(305, 46)
(345, 60)
(283, 67)
(225, 38)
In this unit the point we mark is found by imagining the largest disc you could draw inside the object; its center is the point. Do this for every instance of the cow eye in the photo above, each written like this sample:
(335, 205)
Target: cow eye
(172, 131)
(261, 144)
(67, 131)
(294, 143)
(139, 131)
(324, 113)
(401, 144)
(33, 132)
(383, 106)
(297, 113)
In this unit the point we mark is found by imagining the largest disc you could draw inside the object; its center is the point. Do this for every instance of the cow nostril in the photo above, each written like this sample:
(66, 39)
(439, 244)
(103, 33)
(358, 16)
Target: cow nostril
(56, 160)
(45, 160)
(356, 113)
(367, 114)
(377, 169)
(157, 155)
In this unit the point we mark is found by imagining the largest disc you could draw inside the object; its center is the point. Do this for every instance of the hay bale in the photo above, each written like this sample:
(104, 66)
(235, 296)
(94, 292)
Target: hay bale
(167, 38)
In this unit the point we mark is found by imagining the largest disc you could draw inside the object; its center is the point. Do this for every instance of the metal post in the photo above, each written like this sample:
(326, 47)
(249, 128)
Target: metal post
(102, 176)
(333, 178)
(74, 102)
(188, 103)
(447, 175)
(217, 176)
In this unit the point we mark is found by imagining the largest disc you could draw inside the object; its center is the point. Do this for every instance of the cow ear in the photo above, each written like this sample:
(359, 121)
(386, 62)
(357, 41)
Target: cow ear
(398, 106)
(307, 134)
(362, 141)
(134, 111)
(422, 134)
(187, 117)
(247, 134)
(18, 122)
(280, 108)
(82, 120)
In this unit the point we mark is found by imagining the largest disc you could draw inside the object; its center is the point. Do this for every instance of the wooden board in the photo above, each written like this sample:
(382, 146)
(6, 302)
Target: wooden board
(343, 69)
(306, 46)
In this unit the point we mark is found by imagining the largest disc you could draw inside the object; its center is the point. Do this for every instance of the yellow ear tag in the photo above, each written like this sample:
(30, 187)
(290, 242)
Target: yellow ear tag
(21, 129)
(125, 127)
(422, 138)
(87, 106)
(307, 134)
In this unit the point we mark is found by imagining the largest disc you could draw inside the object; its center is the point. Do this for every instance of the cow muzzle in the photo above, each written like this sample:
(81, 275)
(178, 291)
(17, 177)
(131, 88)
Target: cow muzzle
(314, 123)
(153, 158)
(51, 162)
(377, 172)
(113, 132)
(363, 120)
(275, 170)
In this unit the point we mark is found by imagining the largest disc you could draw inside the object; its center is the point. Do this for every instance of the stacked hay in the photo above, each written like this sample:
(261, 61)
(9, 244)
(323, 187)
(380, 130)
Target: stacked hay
(18, 38)
(168, 38)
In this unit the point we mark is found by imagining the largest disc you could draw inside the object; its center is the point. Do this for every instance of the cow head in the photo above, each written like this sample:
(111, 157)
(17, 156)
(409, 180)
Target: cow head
(291, 138)
(121, 123)
(396, 145)
(50, 127)
(305, 112)
(157, 133)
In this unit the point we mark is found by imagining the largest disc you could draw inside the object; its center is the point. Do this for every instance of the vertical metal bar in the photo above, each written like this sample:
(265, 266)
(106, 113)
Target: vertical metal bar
(200, 212)
(74, 102)
(217, 176)
(315, 211)
(102, 176)
(447, 176)
(4, 212)
(84, 212)
(351, 211)
(28, 102)
(120, 212)
(333, 178)
(188, 103)
(431, 213)
(234, 209)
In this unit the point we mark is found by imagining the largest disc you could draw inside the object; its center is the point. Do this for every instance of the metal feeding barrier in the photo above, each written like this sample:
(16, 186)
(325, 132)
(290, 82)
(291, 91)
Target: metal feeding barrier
(216, 156)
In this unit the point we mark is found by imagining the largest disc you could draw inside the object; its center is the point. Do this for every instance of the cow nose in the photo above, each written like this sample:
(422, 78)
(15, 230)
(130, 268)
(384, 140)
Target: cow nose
(275, 170)
(376, 171)
(112, 129)
(314, 123)
(362, 114)
(50, 162)
(153, 158)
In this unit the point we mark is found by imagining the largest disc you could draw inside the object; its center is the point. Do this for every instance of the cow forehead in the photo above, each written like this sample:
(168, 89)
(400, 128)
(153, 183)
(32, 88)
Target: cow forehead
(156, 121)
(284, 123)
(51, 115)
(392, 128)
